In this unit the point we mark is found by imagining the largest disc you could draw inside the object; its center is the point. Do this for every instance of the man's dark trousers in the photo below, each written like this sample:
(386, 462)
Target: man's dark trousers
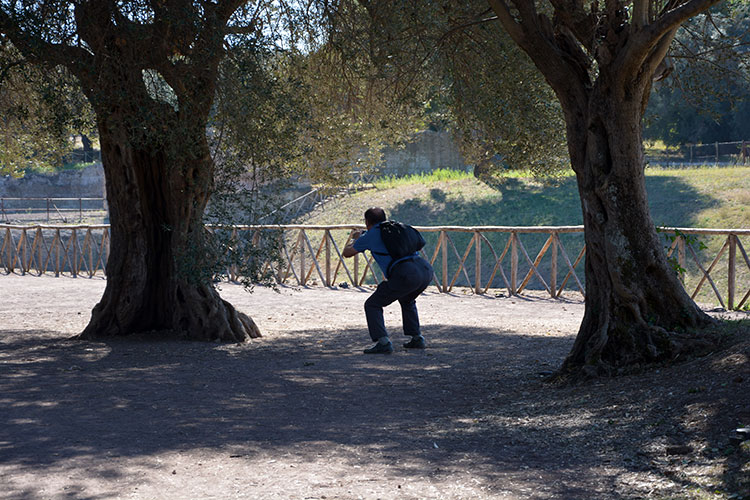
(408, 279)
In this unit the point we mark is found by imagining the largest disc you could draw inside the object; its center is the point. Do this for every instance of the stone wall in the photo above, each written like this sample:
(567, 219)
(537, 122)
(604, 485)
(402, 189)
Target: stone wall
(86, 183)
(430, 151)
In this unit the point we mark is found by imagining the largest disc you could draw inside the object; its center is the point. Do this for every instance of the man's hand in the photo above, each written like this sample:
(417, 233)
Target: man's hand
(349, 250)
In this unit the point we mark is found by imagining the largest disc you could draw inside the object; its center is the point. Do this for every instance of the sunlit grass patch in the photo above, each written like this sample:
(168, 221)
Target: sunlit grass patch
(441, 174)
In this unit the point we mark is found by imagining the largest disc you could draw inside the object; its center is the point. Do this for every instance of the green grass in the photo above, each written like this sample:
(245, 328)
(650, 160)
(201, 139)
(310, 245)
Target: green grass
(441, 174)
(47, 169)
(712, 197)
(706, 197)
(715, 197)
(80, 165)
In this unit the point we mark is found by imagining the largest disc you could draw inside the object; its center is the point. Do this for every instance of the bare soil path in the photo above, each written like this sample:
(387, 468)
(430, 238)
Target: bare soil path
(303, 414)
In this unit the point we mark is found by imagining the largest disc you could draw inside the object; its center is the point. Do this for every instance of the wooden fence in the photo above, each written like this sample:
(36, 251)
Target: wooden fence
(717, 153)
(480, 258)
(40, 249)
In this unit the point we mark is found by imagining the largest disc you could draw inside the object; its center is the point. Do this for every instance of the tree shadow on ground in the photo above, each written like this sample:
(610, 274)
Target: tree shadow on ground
(518, 204)
(675, 203)
(473, 401)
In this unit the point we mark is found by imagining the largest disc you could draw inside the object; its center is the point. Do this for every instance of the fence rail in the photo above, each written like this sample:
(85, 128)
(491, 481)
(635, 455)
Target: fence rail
(716, 153)
(479, 258)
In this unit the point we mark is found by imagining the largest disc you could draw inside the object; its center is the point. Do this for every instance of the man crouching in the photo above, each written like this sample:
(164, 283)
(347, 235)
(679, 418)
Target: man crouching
(406, 279)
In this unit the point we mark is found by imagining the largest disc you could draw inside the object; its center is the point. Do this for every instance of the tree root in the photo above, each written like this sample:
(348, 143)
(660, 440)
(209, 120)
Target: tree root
(638, 350)
(197, 313)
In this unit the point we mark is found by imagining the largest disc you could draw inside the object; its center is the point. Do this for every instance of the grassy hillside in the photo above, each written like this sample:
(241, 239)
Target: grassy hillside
(711, 197)
(699, 197)
(696, 197)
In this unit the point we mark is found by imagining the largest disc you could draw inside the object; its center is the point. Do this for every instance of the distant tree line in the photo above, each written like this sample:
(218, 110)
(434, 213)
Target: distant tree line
(706, 98)
(670, 120)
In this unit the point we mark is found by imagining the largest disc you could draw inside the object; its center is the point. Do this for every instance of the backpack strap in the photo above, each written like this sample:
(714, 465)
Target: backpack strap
(398, 261)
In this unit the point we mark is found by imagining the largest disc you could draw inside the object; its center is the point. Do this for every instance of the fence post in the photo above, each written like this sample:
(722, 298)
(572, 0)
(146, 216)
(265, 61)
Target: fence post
(553, 267)
(478, 262)
(681, 257)
(22, 251)
(91, 240)
(302, 256)
(9, 244)
(731, 272)
(74, 242)
(717, 153)
(234, 269)
(57, 244)
(41, 265)
(327, 236)
(357, 281)
(47, 209)
(513, 262)
(444, 242)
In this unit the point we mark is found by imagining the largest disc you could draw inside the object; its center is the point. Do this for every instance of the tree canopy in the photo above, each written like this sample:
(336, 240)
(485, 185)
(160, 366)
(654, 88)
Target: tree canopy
(40, 108)
(470, 77)
(150, 70)
(707, 96)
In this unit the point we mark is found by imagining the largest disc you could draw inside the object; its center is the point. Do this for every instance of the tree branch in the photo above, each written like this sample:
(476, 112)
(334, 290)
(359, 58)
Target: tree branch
(580, 23)
(224, 9)
(38, 51)
(502, 10)
(556, 53)
(462, 27)
(646, 38)
(6, 69)
(640, 13)
(678, 15)
(642, 43)
(656, 56)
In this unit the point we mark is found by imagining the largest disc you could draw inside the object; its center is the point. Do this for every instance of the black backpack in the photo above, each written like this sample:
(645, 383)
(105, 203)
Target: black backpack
(401, 240)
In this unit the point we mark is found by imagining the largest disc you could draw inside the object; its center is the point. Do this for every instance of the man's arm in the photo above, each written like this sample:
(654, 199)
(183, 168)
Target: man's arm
(349, 250)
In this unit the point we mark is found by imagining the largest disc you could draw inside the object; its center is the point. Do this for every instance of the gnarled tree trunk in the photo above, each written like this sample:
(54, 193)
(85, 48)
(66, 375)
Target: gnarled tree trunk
(152, 87)
(637, 311)
(600, 60)
(156, 207)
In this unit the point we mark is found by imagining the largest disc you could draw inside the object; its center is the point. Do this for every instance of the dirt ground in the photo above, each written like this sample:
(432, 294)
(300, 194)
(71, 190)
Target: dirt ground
(303, 414)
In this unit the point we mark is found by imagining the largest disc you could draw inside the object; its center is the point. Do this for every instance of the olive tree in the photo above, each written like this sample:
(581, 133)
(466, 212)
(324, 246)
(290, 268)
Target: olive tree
(189, 95)
(155, 151)
(601, 58)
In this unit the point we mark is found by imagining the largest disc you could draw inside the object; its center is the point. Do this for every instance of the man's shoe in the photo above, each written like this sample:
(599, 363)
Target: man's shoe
(380, 349)
(415, 343)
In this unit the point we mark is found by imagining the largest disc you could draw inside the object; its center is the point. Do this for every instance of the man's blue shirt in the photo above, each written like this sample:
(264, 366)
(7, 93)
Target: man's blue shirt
(372, 241)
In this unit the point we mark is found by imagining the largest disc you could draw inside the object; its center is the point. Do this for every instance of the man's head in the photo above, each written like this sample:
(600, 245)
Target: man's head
(374, 215)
